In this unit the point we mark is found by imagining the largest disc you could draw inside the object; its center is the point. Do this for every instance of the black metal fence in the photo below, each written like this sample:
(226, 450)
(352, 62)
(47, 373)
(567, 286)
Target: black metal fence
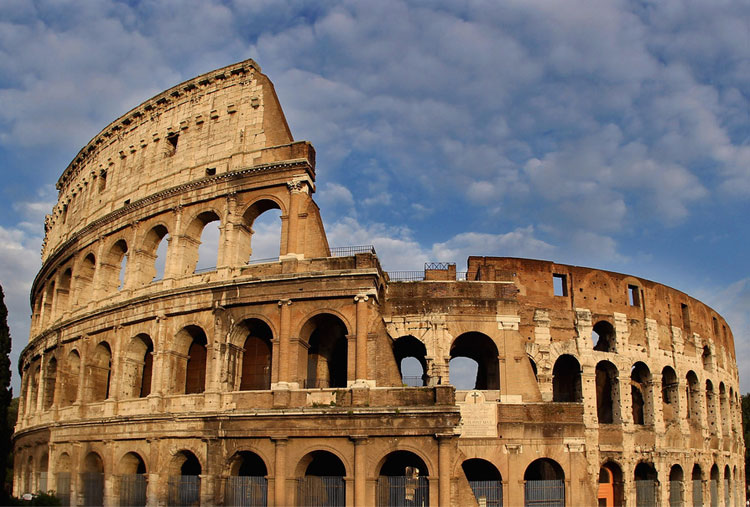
(412, 381)
(645, 493)
(403, 491)
(184, 490)
(93, 488)
(348, 251)
(63, 487)
(549, 493)
(267, 260)
(406, 276)
(676, 494)
(133, 490)
(246, 491)
(488, 493)
(325, 491)
(697, 493)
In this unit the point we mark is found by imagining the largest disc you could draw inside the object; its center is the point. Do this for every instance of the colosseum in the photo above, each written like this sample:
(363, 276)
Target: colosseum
(278, 381)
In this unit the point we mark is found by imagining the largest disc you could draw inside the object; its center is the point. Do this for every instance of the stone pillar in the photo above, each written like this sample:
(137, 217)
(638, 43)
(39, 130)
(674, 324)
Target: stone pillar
(298, 187)
(284, 343)
(360, 470)
(41, 384)
(362, 328)
(445, 446)
(279, 480)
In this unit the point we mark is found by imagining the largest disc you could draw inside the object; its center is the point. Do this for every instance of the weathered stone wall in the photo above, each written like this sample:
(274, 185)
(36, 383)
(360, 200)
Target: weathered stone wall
(289, 368)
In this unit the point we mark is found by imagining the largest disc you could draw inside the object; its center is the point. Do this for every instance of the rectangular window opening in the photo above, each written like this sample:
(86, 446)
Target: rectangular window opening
(685, 316)
(634, 296)
(210, 171)
(172, 138)
(102, 181)
(560, 284)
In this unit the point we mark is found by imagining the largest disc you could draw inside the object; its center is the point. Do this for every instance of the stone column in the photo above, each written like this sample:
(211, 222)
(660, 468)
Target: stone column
(284, 344)
(360, 470)
(279, 480)
(445, 446)
(361, 334)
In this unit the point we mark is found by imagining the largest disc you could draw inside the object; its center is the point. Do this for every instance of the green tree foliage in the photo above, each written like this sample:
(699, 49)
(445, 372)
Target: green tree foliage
(6, 394)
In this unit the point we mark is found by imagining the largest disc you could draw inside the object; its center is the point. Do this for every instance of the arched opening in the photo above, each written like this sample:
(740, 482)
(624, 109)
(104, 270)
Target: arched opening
(153, 255)
(640, 394)
(85, 280)
(610, 491)
(48, 307)
(327, 352)
(714, 486)
(697, 477)
(92, 480)
(50, 379)
(184, 479)
(99, 372)
(670, 399)
(202, 245)
(138, 367)
(41, 480)
(710, 407)
(247, 483)
(261, 236)
(607, 393)
(114, 266)
(693, 393)
(725, 415)
(603, 336)
(62, 478)
(323, 480)
(676, 488)
(479, 348)
(410, 355)
(707, 358)
(727, 488)
(646, 485)
(566, 380)
(544, 483)
(485, 481)
(33, 387)
(256, 356)
(62, 298)
(133, 481)
(402, 480)
(28, 476)
(70, 378)
(192, 340)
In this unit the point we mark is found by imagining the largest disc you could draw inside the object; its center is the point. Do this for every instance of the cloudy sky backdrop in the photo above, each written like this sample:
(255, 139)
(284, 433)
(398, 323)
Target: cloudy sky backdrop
(609, 134)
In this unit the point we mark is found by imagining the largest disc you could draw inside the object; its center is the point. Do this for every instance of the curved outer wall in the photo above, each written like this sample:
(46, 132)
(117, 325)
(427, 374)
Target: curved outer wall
(134, 370)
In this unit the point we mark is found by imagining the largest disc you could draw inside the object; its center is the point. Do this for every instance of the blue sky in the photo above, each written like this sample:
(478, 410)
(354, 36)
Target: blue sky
(609, 134)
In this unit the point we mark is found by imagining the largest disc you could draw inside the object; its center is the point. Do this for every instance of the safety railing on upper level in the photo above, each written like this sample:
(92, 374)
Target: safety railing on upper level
(406, 276)
(347, 251)
(263, 261)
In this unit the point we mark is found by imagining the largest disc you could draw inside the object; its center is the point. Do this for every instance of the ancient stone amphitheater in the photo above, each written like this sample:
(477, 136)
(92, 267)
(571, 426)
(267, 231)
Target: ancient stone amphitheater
(279, 381)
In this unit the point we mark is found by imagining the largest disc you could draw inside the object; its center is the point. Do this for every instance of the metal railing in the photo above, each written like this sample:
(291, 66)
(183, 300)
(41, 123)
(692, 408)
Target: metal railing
(63, 487)
(676, 495)
(184, 490)
(326, 491)
(205, 270)
(133, 489)
(645, 493)
(697, 493)
(42, 482)
(440, 266)
(348, 251)
(403, 491)
(461, 276)
(714, 492)
(411, 381)
(406, 276)
(488, 493)
(267, 260)
(246, 491)
(549, 493)
(93, 488)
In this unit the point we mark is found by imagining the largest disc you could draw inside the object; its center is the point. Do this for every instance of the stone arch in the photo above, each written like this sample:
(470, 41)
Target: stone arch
(138, 367)
(247, 482)
(114, 266)
(714, 478)
(566, 379)
(256, 355)
(48, 304)
(725, 415)
(326, 358)
(151, 266)
(184, 486)
(481, 349)
(544, 479)
(697, 489)
(640, 394)
(321, 479)
(261, 206)
(607, 393)
(62, 295)
(407, 347)
(85, 279)
(50, 381)
(71, 376)
(485, 481)
(92, 479)
(676, 485)
(727, 485)
(603, 337)
(670, 398)
(693, 396)
(131, 487)
(611, 483)
(711, 415)
(99, 372)
(190, 365)
(193, 237)
(646, 484)
(33, 385)
(402, 475)
(707, 358)
(63, 477)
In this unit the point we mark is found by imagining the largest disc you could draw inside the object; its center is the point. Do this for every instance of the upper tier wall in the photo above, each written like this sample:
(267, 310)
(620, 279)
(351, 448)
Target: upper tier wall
(215, 123)
(605, 293)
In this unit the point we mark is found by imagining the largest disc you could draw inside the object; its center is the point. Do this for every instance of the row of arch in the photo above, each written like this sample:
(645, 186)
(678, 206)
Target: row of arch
(611, 491)
(566, 383)
(247, 362)
(126, 262)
